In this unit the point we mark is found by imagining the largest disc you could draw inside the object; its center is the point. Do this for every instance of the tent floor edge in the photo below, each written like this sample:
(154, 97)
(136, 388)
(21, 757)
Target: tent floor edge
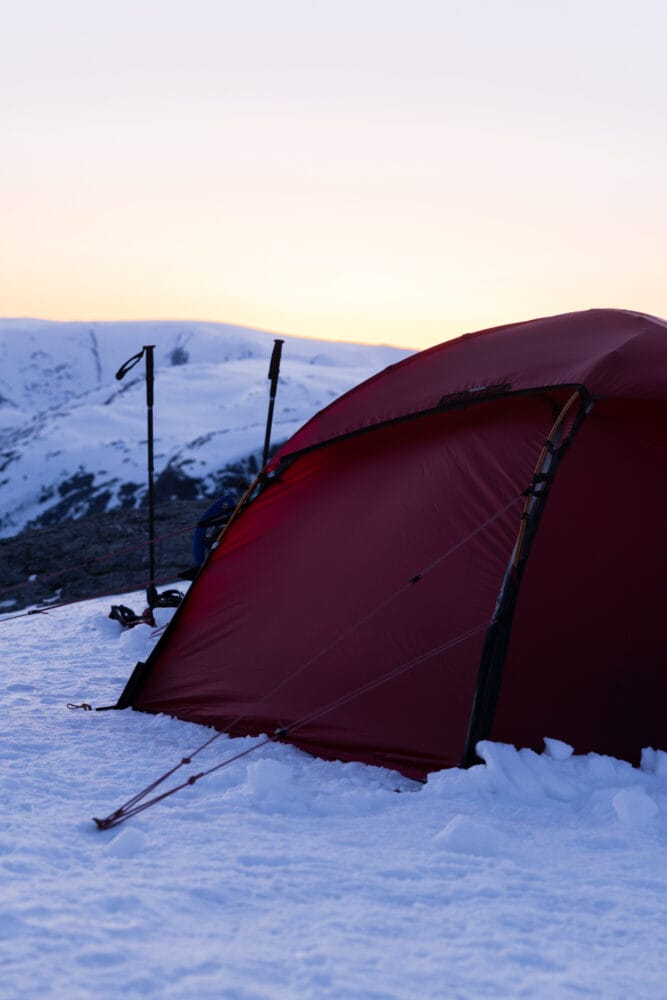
(132, 688)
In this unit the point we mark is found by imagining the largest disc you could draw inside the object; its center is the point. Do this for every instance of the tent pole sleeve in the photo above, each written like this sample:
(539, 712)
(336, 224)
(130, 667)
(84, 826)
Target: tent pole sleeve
(497, 639)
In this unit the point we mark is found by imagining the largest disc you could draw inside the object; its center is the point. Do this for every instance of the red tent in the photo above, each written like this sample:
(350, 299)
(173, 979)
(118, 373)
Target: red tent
(468, 545)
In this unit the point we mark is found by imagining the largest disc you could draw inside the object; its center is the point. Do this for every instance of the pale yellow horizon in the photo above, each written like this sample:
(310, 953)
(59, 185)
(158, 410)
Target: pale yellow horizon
(366, 172)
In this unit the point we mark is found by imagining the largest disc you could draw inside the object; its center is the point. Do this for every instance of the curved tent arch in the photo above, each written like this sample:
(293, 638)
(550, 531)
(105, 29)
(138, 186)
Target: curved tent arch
(365, 494)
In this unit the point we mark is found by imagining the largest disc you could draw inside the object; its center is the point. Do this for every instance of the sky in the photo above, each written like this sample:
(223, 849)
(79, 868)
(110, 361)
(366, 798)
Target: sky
(370, 170)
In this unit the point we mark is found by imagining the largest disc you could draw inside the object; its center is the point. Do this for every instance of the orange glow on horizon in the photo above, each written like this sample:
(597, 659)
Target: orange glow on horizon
(403, 183)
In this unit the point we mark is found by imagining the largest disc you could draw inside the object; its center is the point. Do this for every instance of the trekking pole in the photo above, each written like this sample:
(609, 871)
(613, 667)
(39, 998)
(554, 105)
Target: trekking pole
(274, 369)
(147, 350)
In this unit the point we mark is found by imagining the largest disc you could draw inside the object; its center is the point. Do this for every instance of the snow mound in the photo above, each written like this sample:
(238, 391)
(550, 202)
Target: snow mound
(468, 836)
(634, 808)
(129, 843)
(557, 750)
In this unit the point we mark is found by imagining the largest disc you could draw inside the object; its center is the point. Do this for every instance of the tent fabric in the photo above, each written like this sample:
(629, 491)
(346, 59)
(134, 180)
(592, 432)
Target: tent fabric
(614, 353)
(349, 601)
(595, 673)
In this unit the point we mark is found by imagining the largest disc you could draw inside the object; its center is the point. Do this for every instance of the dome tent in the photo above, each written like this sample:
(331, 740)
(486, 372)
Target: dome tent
(468, 545)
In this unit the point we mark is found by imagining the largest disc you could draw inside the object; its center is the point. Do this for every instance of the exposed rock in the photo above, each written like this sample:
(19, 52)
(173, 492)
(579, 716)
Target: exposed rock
(71, 560)
(63, 557)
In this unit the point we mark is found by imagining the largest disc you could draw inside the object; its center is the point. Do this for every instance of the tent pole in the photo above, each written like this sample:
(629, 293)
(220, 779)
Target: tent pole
(496, 642)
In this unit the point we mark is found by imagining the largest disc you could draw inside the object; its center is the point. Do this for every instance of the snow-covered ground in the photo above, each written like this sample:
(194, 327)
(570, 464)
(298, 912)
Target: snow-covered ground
(282, 876)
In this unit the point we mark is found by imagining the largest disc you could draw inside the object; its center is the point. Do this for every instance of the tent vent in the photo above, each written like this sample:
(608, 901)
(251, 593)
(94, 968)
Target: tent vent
(476, 393)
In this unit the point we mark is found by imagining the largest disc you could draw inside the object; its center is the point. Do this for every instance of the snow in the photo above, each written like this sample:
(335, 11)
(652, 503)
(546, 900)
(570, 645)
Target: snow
(283, 876)
(72, 438)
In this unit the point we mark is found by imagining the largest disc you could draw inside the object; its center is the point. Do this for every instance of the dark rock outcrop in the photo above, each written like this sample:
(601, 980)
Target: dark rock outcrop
(98, 554)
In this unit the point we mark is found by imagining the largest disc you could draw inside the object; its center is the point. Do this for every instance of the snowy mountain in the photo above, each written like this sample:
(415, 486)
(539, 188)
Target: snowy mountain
(73, 439)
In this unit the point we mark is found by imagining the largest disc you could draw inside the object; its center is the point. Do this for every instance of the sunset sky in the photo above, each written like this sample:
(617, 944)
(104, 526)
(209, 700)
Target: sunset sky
(374, 170)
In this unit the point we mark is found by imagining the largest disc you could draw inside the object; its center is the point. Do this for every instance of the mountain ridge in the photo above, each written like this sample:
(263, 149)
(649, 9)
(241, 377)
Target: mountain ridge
(73, 439)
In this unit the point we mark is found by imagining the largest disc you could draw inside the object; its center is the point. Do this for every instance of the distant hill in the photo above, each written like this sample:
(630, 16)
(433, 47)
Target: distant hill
(73, 440)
